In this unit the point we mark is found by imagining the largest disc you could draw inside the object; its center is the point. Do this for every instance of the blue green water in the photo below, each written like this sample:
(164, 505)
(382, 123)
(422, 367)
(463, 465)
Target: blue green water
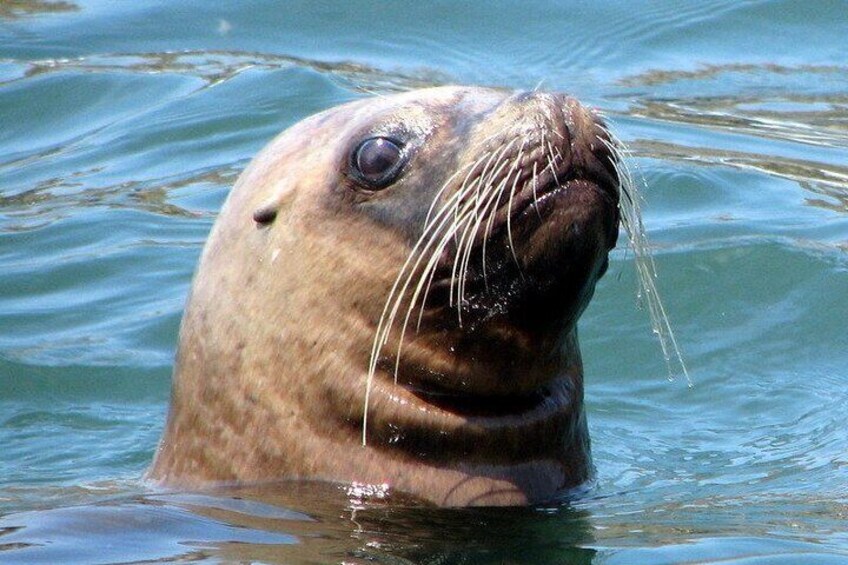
(123, 125)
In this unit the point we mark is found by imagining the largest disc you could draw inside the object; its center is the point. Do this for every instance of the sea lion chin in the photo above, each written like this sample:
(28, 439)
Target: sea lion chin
(390, 296)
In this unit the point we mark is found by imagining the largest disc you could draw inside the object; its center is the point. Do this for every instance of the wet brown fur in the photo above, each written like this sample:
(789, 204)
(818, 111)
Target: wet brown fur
(273, 362)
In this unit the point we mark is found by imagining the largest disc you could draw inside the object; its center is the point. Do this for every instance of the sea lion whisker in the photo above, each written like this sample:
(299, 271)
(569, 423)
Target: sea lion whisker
(552, 162)
(471, 230)
(457, 271)
(494, 157)
(649, 294)
(445, 186)
(427, 275)
(431, 226)
(485, 179)
(536, 191)
(510, 241)
(618, 161)
(559, 154)
(493, 210)
(487, 155)
(493, 168)
(492, 197)
(431, 231)
(646, 269)
(465, 189)
(462, 228)
(395, 297)
(453, 203)
(430, 270)
(518, 170)
(462, 217)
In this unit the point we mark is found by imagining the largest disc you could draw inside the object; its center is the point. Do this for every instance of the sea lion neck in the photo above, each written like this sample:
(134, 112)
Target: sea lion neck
(478, 423)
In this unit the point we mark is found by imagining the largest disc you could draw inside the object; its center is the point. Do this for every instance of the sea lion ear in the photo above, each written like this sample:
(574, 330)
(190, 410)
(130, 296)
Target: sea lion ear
(265, 214)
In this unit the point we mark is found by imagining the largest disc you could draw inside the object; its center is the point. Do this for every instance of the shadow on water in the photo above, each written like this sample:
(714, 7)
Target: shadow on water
(293, 523)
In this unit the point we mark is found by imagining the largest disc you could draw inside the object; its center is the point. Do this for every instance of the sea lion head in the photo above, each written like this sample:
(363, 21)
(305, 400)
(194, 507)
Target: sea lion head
(390, 294)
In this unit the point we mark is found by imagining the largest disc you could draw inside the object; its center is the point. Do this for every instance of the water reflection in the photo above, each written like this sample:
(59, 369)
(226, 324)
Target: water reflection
(748, 466)
(822, 127)
(216, 66)
(14, 9)
(56, 198)
(765, 101)
(828, 180)
(311, 522)
(297, 522)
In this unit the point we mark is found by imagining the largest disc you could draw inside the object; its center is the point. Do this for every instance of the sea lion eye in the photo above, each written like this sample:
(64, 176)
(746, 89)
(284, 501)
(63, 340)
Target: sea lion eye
(378, 161)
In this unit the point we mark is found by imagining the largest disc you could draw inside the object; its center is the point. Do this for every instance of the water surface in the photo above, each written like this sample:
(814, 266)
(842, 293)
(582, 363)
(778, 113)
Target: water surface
(123, 126)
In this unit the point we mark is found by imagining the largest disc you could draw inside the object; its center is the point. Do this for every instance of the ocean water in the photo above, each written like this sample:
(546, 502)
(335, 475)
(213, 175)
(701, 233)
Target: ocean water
(124, 124)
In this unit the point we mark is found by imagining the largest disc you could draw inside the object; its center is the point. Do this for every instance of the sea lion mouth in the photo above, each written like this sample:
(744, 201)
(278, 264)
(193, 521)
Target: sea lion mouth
(531, 206)
(475, 405)
(540, 196)
(472, 422)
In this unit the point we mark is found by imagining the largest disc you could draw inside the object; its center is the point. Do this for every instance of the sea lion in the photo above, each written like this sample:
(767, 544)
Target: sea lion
(390, 297)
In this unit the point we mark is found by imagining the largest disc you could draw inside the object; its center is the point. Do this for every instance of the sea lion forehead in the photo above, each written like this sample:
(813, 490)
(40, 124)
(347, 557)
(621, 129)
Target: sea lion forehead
(463, 97)
(314, 152)
(420, 111)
